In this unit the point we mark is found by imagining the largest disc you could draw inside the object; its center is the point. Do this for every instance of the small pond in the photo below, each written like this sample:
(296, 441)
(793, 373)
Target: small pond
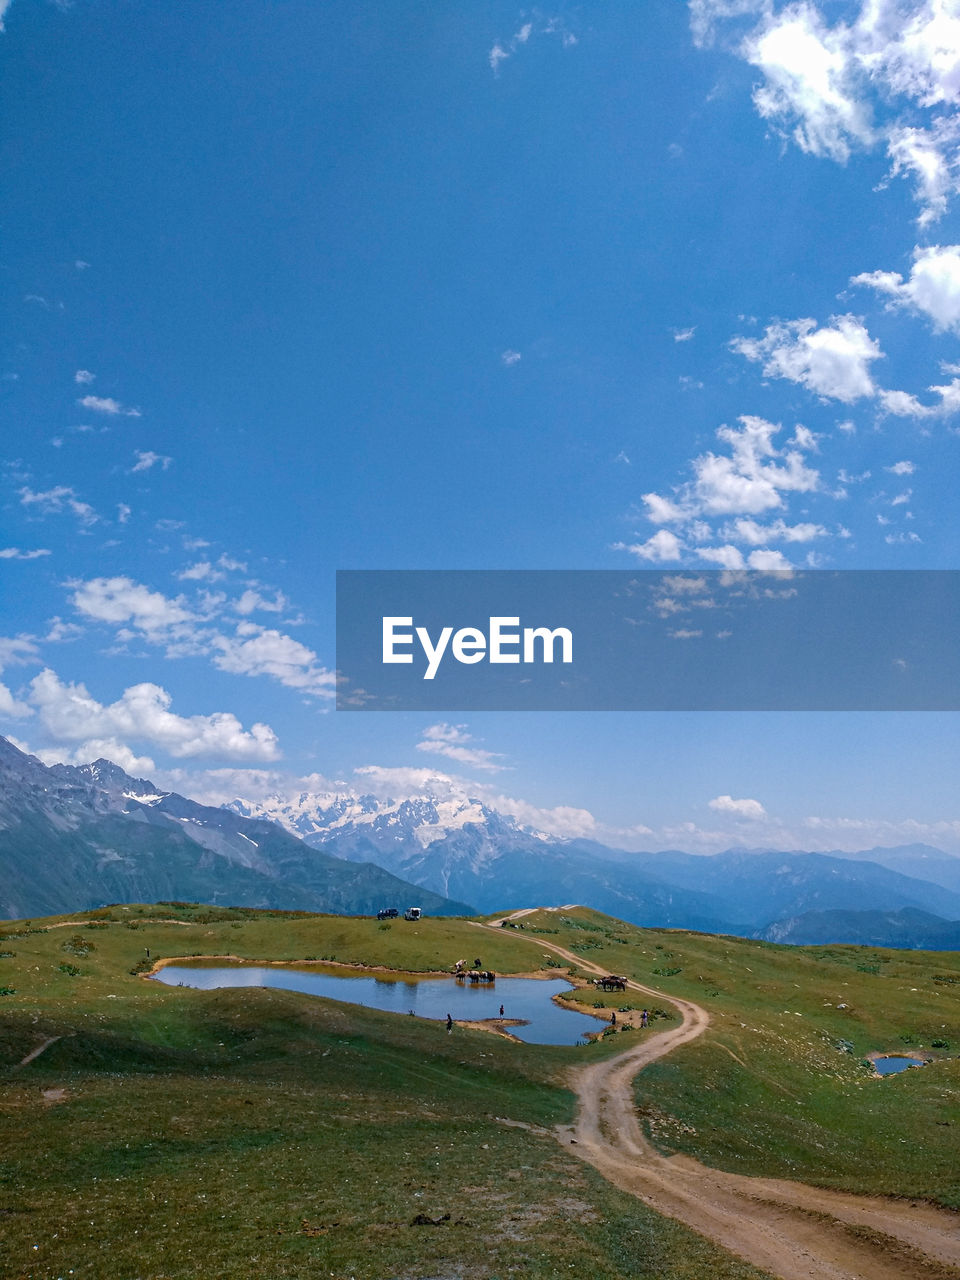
(528, 999)
(889, 1066)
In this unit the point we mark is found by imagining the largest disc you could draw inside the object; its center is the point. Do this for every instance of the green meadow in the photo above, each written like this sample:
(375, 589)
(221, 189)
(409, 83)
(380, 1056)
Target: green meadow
(171, 1133)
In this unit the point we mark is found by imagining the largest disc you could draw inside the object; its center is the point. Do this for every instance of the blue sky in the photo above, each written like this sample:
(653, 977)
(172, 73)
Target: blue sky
(311, 286)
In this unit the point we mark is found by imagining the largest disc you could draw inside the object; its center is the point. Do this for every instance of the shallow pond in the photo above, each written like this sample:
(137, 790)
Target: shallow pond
(889, 1066)
(526, 998)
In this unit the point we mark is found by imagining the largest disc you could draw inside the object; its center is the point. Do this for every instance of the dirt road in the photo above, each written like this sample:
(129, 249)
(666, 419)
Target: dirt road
(788, 1229)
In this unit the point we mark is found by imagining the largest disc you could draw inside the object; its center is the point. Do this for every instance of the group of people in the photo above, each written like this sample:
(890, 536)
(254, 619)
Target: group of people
(644, 1017)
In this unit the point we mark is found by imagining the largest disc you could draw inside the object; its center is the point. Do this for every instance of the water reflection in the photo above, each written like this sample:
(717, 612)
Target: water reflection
(527, 999)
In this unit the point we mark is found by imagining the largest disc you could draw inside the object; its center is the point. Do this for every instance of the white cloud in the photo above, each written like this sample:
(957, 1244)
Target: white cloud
(12, 708)
(751, 809)
(184, 629)
(749, 480)
(55, 501)
(99, 749)
(504, 49)
(452, 741)
(662, 510)
(510, 358)
(832, 361)
(60, 632)
(901, 469)
(14, 553)
(727, 557)
(142, 714)
(202, 571)
(767, 560)
(84, 377)
(253, 602)
(106, 404)
(662, 547)
(256, 651)
(121, 600)
(145, 461)
(756, 535)
(745, 482)
(933, 286)
(886, 75)
(684, 335)
(124, 513)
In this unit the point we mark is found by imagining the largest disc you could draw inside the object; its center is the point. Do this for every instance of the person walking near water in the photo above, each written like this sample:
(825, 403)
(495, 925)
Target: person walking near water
(449, 1022)
(501, 1011)
(613, 1018)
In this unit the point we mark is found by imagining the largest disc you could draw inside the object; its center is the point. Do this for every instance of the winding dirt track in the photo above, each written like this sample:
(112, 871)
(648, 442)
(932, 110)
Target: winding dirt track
(788, 1229)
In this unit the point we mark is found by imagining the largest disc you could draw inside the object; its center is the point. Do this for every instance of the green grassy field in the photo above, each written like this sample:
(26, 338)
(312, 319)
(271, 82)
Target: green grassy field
(254, 1133)
(173, 1133)
(772, 1088)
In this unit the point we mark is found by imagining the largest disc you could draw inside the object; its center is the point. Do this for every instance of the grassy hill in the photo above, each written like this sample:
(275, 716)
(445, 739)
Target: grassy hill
(178, 1133)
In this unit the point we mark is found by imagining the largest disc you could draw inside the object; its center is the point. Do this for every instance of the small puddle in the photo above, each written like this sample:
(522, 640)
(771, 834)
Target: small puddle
(529, 1000)
(890, 1066)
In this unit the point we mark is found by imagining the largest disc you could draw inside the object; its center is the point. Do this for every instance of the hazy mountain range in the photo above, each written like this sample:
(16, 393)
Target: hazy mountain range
(462, 848)
(73, 837)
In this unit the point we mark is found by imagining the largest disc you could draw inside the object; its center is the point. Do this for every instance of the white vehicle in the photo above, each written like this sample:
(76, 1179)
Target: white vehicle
(412, 913)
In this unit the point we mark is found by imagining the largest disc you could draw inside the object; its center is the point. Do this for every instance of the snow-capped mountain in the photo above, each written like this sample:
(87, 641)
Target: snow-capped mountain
(73, 837)
(461, 847)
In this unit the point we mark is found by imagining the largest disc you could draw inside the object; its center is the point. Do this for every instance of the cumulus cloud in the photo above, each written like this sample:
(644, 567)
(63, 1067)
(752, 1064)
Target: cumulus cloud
(751, 809)
(142, 714)
(884, 75)
(932, 288)
(256, 651)
(832, 361)
(751, 478)
(121, 600)
(253, 602)
(84, 377)
(99, 749)
(201, 571)
(662, 548)
(453, 741)
(188, 628)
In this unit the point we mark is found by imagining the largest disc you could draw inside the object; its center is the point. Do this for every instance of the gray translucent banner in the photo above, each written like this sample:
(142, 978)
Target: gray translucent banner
(614, 640)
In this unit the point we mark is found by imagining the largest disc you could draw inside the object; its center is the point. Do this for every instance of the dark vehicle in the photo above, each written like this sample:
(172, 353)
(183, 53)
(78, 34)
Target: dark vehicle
(388, 913)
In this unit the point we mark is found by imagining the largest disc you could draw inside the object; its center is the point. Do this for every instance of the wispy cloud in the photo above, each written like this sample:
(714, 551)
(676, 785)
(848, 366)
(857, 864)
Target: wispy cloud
(535, 26)
(106, 404)
(453, 741)
(14, 553)
(146, 461)
(55, 501)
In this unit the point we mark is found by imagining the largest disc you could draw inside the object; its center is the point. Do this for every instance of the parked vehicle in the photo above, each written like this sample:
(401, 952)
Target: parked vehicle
(387, 913)
(412, 913)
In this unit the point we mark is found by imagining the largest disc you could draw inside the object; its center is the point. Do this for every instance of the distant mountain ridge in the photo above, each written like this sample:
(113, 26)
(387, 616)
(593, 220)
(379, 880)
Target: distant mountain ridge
(74, 837)
(463, 848)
